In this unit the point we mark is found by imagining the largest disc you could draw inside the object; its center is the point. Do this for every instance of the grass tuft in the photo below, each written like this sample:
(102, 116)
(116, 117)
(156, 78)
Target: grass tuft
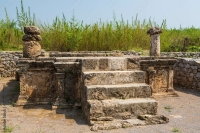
(168, 108)
(8, 129)
(176, 130)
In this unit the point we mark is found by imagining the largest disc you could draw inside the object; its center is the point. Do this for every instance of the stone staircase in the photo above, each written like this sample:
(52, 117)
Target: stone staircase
(116, 98)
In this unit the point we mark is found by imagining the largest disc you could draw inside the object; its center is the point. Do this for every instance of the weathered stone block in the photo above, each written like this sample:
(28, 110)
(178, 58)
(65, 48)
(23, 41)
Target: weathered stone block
(181, 65)
(31, 30)
(31, 49)
(89, 64)
(139, 77)
(187, 66)
(124, 91)
(118, 64)
(33, 87)
(104, 64)
(67, 59)
(133, 63)
(28, 37)
(67, 66)
(112, 77)
(198, 75)
(124, 108)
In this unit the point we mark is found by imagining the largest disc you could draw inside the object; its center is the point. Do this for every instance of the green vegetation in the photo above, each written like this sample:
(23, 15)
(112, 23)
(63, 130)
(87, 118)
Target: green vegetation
(12, 104)
(168, 108)
(176, 130)
(8, 129)
(63, 35)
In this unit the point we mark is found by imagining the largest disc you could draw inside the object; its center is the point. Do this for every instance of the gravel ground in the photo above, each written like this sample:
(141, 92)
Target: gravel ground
(183, 112)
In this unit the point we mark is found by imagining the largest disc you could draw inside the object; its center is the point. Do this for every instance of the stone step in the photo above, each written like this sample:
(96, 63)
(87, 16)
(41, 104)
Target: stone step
(67, 59)
(104, 64)
(113, 77)
(67, 66)
(108, 110)
(122, 91)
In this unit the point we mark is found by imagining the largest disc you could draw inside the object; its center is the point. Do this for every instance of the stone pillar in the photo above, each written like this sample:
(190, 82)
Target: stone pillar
(154, 33)
(22, 99)
(31, 38)
(151, 77)
(170, 79)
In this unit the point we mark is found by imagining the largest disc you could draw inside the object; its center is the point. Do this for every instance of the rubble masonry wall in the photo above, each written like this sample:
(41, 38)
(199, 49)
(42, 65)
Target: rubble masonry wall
(187, 73)
(8, 63)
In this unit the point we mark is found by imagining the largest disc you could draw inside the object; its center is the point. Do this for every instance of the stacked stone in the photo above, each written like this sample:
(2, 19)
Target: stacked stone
(31, 40)
(8, 63)
(181, 54)
(187, 73)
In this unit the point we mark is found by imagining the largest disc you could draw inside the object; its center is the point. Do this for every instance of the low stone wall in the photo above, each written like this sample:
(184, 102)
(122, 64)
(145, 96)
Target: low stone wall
(8, 63)
(181, 54)
(115, 53)
(186, 70)
(187, 73)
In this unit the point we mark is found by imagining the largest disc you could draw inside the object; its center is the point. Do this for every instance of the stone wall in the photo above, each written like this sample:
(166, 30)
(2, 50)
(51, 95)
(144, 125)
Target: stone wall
(181, 54)
(8, 63)
(115, 53)
(187, 73)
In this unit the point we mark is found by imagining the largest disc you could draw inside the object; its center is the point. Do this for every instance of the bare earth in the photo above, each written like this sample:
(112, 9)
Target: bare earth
(183, 112)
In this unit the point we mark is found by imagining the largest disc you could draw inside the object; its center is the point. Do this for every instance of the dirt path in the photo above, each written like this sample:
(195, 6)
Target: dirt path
(183, 112)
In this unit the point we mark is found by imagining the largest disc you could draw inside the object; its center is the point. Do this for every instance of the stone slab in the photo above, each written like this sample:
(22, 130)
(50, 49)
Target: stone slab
(67, 66)
(113, 77)
(122, 91)
(121, 109)
(140, 121)
(118, 64)
(33, 30)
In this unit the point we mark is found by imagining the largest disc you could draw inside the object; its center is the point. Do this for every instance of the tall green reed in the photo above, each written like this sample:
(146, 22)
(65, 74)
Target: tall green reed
(74, 35)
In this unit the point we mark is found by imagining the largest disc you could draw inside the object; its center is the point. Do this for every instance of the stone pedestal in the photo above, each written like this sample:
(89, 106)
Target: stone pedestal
(159, 75)
(37, 85)
(155, 45)
(31, 38)
(154, 41)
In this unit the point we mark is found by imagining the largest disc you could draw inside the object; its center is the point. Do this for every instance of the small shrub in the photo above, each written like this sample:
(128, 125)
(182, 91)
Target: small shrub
(176, 130)
(168, 108)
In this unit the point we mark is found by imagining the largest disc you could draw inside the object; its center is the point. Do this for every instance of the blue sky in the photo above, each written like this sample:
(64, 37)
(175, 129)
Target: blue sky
(176, 12)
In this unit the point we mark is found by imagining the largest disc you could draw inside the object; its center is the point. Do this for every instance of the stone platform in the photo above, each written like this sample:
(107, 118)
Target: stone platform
(109, 89)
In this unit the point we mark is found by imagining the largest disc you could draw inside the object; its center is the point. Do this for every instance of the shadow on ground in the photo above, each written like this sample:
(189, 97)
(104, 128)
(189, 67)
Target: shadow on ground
(187, 91)
(9, 91)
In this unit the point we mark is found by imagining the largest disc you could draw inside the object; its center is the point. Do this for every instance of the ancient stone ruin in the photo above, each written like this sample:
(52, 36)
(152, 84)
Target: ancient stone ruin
(114, 88)
(31, 40)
